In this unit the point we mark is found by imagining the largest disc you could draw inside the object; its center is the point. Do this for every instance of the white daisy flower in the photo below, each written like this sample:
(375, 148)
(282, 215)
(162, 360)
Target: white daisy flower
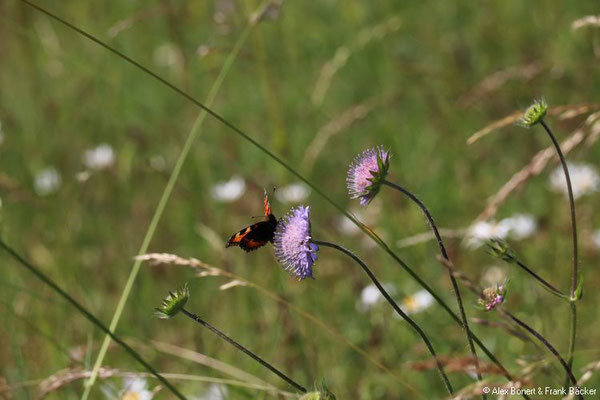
(519, 226)
(294, 193)
(135, 388)
(158, 162)
(370, 296)
(215, 391)
(417, 302)
(482, 231)
(100, 157)
(346, 226)
(47, 181)
(229, 191)
(492, 275)
(584, 179)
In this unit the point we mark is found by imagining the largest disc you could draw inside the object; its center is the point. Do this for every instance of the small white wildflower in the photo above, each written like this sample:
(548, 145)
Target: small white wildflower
(215, 391)
(482, 231)
(346, 226)
(229, 191)
(158, 162)
(135, 389)
(596, 238)
(167, 55)
(370, 296)
(417, 302)
(294, 193)
(47, 181)
(519, 226)
(83, 176)
(584, 179)
(202, 50)
(493, 275)
(100, 157)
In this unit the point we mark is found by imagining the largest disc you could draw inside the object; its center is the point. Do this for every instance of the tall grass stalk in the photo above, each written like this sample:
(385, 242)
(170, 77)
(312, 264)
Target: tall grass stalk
(193, 134)
(239, 132)
(87, 314)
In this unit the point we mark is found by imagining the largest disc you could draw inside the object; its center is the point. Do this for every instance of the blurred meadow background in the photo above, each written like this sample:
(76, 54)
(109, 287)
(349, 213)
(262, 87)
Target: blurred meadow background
(88, 142)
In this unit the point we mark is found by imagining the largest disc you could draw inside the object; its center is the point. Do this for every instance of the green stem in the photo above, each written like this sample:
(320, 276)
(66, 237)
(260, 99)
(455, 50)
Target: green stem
(245, 350)
(546, 343)
(41, 276)
(574, 282)
(397, 308)
(541, 280)
(440, 242)
(328, 199)
(161, 207)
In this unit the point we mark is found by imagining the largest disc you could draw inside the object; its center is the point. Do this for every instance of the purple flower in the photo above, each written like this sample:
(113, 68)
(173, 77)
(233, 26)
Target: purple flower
(294, 248)
(366, 172)
(492, 297)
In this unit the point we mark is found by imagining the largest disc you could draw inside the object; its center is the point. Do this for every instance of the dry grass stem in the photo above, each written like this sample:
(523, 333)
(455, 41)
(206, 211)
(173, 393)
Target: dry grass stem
(343, 53)
(498, 79)
(338, 124)
(589, 20)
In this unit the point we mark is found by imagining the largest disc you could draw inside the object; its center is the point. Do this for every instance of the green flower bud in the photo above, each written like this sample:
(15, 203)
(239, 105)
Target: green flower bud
(500, 249)
(173, 303)
(534, 113)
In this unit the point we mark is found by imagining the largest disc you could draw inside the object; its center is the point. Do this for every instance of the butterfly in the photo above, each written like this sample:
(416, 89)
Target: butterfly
(256, 235)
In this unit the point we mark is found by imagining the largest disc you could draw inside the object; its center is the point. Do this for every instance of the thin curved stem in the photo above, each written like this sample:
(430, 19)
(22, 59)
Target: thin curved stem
(271, 155)
(90, 317)
(245, 350)
(397, 308)
(574, 282)
(565, 168)
(541, 280)
(546, 343)
(440, 242)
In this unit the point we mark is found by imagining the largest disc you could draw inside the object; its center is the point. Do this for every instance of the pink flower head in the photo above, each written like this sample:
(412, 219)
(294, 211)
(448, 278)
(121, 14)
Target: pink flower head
(492, 297)
(366, 172)
(294, 248)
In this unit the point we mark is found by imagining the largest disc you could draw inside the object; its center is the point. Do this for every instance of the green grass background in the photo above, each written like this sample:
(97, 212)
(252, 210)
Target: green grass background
(61, 94)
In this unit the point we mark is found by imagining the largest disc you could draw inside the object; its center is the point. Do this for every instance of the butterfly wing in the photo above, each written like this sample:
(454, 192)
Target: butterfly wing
(253, 236)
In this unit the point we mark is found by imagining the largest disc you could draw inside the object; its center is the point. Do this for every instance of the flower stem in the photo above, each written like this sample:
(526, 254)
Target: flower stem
(245, 350)
(546, 343)
(455, 287)
(87, 314)
(397, 308)
(541, 280)
(574, 282)
(571, 205)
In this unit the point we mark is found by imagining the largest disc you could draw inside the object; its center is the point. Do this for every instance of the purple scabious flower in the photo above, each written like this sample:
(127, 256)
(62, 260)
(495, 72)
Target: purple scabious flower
(366, 172)
(493, 297)
(294, 248)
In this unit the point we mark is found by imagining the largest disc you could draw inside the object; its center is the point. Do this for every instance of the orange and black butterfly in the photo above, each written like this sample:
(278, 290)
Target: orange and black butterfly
(256, 235)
